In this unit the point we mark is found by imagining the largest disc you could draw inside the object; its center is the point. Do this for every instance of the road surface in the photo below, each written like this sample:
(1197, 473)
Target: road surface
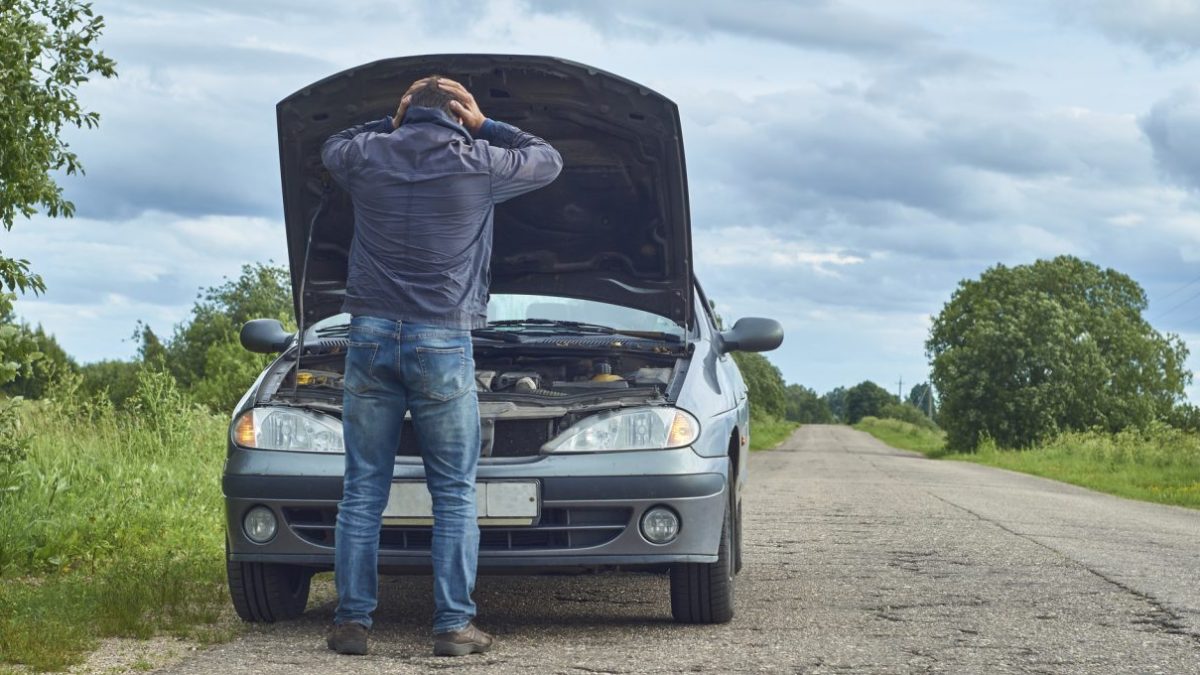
(860, 559)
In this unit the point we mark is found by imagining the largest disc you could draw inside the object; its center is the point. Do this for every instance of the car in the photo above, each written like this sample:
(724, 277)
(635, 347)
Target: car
(615, 424)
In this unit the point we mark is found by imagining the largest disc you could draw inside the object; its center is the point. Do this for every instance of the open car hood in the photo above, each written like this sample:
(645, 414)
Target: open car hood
(614, 227)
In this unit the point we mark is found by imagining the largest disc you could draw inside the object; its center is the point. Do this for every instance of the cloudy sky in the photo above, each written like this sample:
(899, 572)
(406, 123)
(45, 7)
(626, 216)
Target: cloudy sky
(849, 162)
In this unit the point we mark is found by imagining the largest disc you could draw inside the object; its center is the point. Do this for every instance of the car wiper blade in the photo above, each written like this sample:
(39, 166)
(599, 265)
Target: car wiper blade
(502, 335)
(553, 323)
(339, 329)
(652, 335)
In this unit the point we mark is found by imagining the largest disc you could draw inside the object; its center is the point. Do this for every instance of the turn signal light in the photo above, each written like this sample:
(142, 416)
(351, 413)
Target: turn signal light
(243, 433)
(683, 431)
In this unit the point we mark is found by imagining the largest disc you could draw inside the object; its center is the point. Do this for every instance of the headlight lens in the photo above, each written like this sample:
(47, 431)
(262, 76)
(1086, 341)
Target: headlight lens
(288, 429)
(631, 429)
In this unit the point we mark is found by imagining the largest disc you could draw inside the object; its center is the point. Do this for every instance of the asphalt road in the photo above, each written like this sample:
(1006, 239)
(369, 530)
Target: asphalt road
(859, 558)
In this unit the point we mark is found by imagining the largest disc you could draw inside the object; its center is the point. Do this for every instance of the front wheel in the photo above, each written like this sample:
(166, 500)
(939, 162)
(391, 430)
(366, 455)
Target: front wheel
(703, 592)
(267, 592)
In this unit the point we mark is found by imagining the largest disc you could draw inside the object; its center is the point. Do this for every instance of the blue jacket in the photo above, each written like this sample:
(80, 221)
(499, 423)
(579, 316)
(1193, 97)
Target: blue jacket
(424, 196)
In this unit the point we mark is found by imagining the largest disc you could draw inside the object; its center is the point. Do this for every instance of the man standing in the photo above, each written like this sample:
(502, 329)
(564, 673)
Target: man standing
(424, 184)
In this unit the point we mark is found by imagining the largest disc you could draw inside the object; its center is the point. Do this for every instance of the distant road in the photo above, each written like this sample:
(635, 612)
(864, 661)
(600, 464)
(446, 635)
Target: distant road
(859, 559)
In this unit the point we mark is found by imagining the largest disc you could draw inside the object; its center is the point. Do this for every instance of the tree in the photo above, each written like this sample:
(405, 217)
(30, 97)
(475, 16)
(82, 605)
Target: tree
(866, 399)
(205, 355)
(19, 350)
(764, 383)
(836, 400)
(921, 398)
(118, 380)
(805, 407)
(46, 51)
(1026, 352)
(47, 362)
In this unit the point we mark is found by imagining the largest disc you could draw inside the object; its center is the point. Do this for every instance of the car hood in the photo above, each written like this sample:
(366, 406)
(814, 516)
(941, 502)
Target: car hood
(614, 226)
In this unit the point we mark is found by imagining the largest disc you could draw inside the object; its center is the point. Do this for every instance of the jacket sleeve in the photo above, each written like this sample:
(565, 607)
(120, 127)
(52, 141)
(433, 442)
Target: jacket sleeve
(520, 161)
(340, 153)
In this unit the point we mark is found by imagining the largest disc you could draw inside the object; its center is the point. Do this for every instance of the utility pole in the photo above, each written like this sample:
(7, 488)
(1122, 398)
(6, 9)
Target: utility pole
(900, 389)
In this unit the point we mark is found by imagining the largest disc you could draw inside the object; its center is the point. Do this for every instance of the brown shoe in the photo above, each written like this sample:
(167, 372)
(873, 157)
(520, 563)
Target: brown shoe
(469, 640)
(348, 638)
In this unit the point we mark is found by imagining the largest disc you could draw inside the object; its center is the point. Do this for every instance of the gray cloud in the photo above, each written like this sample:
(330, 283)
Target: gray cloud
(1166, 29)
(1173, 127)
(814, 24)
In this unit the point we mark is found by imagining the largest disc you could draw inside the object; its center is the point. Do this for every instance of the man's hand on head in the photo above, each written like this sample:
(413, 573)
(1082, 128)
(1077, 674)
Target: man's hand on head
(405, 100)
(463, 105)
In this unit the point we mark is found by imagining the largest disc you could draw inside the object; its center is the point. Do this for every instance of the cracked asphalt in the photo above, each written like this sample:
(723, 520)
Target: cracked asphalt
(859, 558)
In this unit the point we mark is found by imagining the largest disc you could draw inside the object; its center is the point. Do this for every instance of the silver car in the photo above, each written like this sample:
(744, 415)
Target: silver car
(615, 425)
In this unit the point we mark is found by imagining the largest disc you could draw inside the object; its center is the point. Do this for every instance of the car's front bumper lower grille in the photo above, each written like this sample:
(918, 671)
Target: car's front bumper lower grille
(557, 529)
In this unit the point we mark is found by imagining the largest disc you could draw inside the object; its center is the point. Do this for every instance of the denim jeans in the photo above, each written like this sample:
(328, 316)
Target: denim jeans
(390, 368)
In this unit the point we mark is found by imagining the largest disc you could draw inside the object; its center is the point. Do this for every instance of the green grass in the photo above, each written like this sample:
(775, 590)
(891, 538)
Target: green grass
(898, 434)
(112, 526)
(767, 431)
(1160, 464)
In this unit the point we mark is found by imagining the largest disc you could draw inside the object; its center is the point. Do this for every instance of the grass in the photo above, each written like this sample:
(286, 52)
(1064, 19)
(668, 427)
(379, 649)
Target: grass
(767, 431)
(112, 526)
(1159, 464)
(899, 434)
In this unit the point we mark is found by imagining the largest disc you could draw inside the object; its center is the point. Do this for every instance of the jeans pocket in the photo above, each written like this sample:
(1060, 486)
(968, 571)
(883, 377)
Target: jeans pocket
(443, 372)
(360, 362)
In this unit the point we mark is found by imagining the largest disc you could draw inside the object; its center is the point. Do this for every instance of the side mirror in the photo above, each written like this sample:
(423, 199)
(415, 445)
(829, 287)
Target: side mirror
(265, 336)
(752, 335)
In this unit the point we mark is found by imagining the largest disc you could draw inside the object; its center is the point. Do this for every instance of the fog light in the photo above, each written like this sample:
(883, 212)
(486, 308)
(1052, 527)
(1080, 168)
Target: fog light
(660, 525)
(259, 524)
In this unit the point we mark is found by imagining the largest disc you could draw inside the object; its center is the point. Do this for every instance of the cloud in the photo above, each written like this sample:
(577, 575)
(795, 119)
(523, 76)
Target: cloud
(1173, 128)
(814, 24)
(103, 276)
(1169, 30)
(848, 162)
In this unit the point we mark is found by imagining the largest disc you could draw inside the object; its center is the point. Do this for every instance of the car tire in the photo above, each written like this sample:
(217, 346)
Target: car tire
(268, 592)
(703, 592)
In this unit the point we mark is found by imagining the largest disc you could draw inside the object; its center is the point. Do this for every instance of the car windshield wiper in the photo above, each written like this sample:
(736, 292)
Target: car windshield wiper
(555, 325)
(334, 330)
(493, 334)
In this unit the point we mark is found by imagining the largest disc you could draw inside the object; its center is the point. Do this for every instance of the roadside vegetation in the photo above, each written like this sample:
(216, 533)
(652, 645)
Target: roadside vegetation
(112, 522)
(110, 480)
(1051, 369)
(1157, 464)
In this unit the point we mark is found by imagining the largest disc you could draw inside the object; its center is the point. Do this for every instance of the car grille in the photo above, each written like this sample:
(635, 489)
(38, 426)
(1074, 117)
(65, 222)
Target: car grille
(501, 438)
(558, 529)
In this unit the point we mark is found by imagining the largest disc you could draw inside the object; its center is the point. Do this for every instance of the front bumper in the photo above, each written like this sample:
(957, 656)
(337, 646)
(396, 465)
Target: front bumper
(591, 507)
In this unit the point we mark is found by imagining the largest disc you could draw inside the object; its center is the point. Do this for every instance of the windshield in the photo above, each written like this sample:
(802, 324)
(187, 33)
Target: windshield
(514, 307)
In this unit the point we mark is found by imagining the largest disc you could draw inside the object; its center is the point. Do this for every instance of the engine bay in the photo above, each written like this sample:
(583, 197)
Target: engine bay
(509, 377)
(525, 399)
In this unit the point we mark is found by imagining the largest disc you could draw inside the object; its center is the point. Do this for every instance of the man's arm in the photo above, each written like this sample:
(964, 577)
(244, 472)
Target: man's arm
(521, 162)
(340, 153)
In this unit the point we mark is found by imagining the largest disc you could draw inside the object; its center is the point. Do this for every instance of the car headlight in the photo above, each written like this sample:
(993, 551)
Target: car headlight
(288, 429)
(630, 429)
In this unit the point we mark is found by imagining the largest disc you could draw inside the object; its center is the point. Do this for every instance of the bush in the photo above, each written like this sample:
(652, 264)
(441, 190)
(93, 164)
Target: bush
(907, 413)
(112, 521)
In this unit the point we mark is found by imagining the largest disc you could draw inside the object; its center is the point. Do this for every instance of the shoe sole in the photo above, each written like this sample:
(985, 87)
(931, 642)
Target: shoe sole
(458, 649)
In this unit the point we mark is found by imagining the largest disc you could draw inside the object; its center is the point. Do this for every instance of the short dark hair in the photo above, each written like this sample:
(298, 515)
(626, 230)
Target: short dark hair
(432, 96)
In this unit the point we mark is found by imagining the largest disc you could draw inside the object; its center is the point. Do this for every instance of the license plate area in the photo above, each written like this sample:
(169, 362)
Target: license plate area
(506, 503)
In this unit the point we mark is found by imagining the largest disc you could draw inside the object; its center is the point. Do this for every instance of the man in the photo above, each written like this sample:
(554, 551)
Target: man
(424, 184)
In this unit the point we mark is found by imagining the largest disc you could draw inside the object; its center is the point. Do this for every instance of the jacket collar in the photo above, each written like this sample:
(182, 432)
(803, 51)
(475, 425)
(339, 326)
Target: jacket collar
(420, 115)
